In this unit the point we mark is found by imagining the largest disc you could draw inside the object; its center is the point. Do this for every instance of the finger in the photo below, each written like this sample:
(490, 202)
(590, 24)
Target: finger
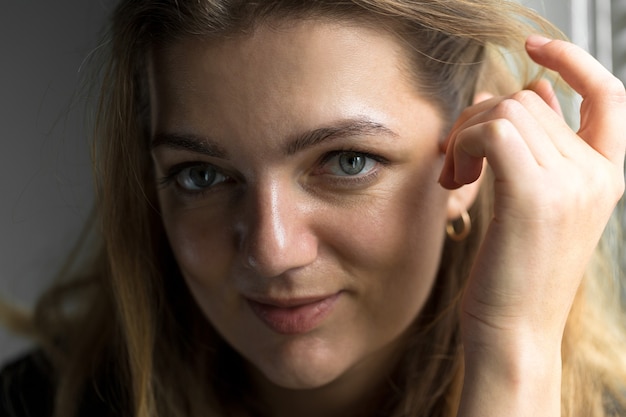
(501, 143)
(543, 105)
(604, 99)
(553, 120)
(534, 121)
(541, 102)
(479, 106)
(464, 167)
(544, 89)
(482, 96)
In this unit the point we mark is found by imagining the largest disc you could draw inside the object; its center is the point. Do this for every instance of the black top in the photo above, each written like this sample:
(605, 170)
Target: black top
(27, 388)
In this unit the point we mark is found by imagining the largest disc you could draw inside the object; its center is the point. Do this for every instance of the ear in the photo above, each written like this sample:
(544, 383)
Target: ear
(461, 199)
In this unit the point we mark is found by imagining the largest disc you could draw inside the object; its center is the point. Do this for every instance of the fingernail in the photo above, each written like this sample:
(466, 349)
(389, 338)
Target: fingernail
(442, 177)
(537, 41)
(446, 180)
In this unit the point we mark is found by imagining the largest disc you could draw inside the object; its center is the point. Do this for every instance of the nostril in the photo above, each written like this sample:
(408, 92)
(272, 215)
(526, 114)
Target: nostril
(249, 258)
(250, 263)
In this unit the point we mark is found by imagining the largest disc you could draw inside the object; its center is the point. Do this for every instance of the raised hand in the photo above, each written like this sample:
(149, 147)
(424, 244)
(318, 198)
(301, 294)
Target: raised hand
(554, 192)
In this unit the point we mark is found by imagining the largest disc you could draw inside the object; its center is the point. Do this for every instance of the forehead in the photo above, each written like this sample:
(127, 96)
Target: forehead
(279, 77)
(283, 38)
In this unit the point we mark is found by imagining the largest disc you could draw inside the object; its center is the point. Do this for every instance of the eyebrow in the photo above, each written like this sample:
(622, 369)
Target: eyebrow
(295, 144)
(191, 143)
(343, 129)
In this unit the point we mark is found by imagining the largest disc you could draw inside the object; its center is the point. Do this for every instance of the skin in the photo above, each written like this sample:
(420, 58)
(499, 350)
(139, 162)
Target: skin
(534, 255)
(291, 224)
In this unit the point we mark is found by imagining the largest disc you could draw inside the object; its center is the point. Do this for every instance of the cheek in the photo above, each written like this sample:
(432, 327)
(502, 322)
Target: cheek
(393, 247)
(398, 228)
(202, 245)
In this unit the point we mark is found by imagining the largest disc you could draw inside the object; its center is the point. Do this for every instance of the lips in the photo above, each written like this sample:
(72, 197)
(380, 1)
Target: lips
(293, 316)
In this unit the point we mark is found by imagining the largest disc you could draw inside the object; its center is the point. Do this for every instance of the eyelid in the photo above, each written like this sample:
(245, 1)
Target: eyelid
(170, 178)
(335, 166)
(348, 181)
(186, 182)
(328, 156)
(362, 150)
(175, 169)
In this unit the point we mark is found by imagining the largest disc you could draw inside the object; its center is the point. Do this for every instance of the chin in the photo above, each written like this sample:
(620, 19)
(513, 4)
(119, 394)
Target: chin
(299, 380)
(301, 370)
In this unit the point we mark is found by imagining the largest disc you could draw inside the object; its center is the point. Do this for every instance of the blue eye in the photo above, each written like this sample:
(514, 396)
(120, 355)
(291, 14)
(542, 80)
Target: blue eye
(350, 164)
(199, 177)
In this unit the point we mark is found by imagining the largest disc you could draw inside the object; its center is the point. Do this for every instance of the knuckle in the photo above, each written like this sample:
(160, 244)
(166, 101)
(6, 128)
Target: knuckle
(507, 108)
(524, 96)
(499, 130)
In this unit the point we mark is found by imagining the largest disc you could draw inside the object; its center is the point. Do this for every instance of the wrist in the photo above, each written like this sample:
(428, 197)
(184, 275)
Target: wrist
(519, 382)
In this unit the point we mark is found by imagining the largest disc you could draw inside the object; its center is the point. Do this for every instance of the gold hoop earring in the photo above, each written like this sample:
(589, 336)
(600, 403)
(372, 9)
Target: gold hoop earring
(460, 235)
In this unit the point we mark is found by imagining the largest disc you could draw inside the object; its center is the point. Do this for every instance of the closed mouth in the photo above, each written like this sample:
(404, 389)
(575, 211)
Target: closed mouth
(293, 315)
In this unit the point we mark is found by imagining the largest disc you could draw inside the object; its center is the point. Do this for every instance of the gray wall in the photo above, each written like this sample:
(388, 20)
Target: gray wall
(44, 163)
(557, 11)
(597, 25)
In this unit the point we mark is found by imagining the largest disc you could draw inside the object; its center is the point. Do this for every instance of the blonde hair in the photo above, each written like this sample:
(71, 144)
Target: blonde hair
(140, 323)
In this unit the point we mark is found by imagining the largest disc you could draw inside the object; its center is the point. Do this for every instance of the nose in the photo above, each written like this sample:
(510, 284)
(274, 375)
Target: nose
(274, 231)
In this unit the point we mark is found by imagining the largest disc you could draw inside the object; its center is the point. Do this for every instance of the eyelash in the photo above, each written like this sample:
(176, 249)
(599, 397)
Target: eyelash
(354, 179)
(170, 179)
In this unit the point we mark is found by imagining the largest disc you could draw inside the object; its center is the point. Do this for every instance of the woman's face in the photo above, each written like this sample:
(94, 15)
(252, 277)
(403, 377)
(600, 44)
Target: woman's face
(297, 171)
